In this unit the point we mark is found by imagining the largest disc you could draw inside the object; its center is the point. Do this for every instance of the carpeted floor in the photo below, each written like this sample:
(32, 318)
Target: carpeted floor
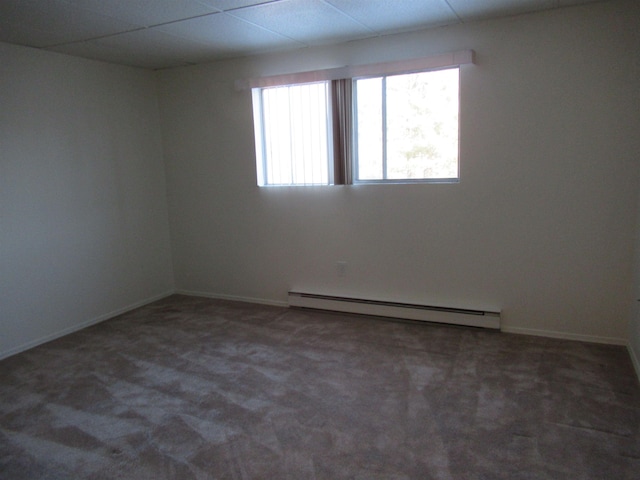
(198, 388)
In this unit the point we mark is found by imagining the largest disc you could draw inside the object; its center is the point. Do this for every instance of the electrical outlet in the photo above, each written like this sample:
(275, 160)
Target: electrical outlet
(341, 268)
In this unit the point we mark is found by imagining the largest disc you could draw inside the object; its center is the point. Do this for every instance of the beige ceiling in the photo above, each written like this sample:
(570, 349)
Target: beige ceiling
(168, 33)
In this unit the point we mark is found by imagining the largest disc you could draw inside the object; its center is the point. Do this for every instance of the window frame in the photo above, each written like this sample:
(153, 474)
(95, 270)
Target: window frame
(354, 141)
(262, 169)
(344, 164)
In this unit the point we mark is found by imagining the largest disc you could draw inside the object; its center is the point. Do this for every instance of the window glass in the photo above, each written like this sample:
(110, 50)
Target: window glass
(369, 127)
(295, 135)
(407, 126)
(390, 128)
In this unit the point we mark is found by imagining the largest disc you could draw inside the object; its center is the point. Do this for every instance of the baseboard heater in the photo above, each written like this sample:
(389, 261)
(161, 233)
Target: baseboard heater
(404, 311)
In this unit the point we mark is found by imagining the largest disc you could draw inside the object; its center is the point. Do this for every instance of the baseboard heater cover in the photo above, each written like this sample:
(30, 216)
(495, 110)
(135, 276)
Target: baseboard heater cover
(405, 311)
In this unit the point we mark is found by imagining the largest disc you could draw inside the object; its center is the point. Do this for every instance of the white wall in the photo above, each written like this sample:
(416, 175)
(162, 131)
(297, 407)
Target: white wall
(541, 225)
(634, 325)
(83, 216)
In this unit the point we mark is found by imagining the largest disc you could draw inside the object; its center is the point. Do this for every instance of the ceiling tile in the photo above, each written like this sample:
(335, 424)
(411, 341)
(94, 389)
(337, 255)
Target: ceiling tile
(568, 3)
(30, 36)
(145, 12)
(469, 10)
(152, 41)
(384, 16)
(163, 33)
(234, 4)
(227, 34)
(94, 49)
(307, 21)
(40, 23)
(158, 48)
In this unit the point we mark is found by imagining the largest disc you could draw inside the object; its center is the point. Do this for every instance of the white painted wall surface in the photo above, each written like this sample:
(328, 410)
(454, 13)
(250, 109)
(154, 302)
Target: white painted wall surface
(541, 225)
(83, 216)
(634, 325)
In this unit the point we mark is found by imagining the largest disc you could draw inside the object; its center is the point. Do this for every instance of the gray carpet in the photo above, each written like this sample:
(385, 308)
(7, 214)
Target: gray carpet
(198, 388)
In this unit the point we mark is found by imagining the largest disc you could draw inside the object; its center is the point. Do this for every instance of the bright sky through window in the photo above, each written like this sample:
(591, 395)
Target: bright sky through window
(407, 126)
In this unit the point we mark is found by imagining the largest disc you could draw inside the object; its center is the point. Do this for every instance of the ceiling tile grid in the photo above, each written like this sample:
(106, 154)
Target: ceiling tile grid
(469, 10)
(167, 33)
(146, 13)
(228, 34)
(384, 16)
(306, 21)
(43, 23)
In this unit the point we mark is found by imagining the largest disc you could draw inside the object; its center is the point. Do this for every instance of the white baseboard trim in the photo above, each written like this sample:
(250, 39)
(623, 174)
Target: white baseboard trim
(566, 335)
(634, 360)
(234, 298)
(506, 329)
(80, 326)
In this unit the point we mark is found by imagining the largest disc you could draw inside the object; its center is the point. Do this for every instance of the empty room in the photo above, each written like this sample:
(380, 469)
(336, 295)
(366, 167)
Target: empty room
(320, 239)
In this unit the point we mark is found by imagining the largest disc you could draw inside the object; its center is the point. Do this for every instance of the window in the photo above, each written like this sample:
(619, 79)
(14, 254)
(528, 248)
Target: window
(406, 127)
(367, 125)
(294, 144)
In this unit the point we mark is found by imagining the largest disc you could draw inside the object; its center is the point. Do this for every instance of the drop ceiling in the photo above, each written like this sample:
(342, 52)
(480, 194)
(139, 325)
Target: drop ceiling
(168, 33)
